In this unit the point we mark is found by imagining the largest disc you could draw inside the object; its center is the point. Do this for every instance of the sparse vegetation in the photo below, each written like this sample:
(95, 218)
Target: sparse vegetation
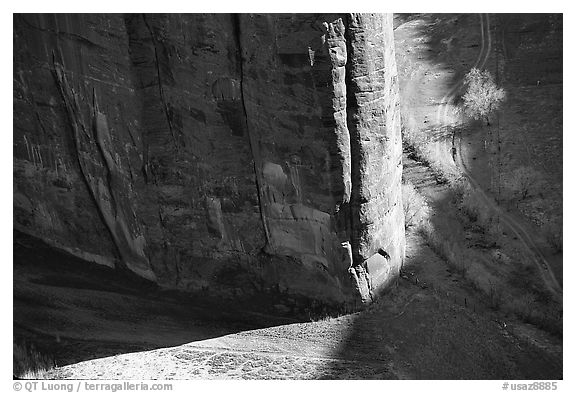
(483, 266)
(494, 297)
(450, 251)
(523, 182)
(553, 233)
(417, 217)
(416, 208)
(430, 152)
(482, 96)
(29, 362)
(535, 306)
(522, 296)
(478, 213)
(525, 299)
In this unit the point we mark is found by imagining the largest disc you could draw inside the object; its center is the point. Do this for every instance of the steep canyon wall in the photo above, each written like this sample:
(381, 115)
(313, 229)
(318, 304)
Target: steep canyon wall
(231, 154)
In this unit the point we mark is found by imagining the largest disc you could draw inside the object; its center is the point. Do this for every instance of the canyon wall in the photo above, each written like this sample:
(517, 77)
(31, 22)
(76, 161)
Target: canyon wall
(228, 154)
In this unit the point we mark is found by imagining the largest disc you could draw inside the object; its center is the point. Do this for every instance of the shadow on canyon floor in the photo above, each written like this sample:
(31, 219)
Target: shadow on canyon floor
(432, 325)
(435, 324)
(76, 312)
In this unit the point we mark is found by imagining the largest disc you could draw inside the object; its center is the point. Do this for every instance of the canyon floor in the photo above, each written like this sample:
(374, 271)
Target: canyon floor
(431, 326)
(97, 324)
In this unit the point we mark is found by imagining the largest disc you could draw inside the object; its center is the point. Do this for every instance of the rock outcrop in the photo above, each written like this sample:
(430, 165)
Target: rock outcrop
(232, 154)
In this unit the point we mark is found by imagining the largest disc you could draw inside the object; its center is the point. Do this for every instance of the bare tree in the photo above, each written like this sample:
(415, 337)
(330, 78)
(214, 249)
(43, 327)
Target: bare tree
(416, 209)
(482, 96)
(523, 181)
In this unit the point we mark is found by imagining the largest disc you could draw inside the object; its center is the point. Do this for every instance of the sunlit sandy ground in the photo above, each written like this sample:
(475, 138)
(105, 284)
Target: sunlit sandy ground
(432, 325)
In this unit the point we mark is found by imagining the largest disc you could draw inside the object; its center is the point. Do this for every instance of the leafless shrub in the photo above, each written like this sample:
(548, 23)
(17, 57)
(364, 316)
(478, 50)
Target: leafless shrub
(416, 209)
(523, 306)
(523, 182)
(553, 232)
(495, 297)
(477, 211)
(429, 152)
(444, 247)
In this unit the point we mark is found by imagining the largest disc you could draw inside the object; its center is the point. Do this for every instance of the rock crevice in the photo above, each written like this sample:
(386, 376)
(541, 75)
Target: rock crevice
(254, 148)
(372, 95)
(265, 141)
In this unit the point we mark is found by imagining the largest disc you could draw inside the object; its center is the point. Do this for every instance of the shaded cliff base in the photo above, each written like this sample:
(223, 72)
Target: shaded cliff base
(38, 266)
(213, 151)
(432, 326)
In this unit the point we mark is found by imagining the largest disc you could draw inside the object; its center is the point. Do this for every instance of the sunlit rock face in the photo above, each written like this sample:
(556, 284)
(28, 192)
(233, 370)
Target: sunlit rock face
(231, 154)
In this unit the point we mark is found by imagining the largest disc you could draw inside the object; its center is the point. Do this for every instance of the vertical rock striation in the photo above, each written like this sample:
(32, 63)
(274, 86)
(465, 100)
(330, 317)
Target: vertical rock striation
(374, 126)
(232, 154)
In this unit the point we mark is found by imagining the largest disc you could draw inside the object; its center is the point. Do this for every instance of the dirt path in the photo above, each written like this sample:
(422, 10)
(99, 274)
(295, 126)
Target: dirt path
(247, 355)
(429, 84)
(486, 46)
(511, 223)
(431, 326)
(516, 226)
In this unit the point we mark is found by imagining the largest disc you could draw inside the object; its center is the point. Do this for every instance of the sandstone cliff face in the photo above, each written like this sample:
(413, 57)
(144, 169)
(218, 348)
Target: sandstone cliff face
(226, 153)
